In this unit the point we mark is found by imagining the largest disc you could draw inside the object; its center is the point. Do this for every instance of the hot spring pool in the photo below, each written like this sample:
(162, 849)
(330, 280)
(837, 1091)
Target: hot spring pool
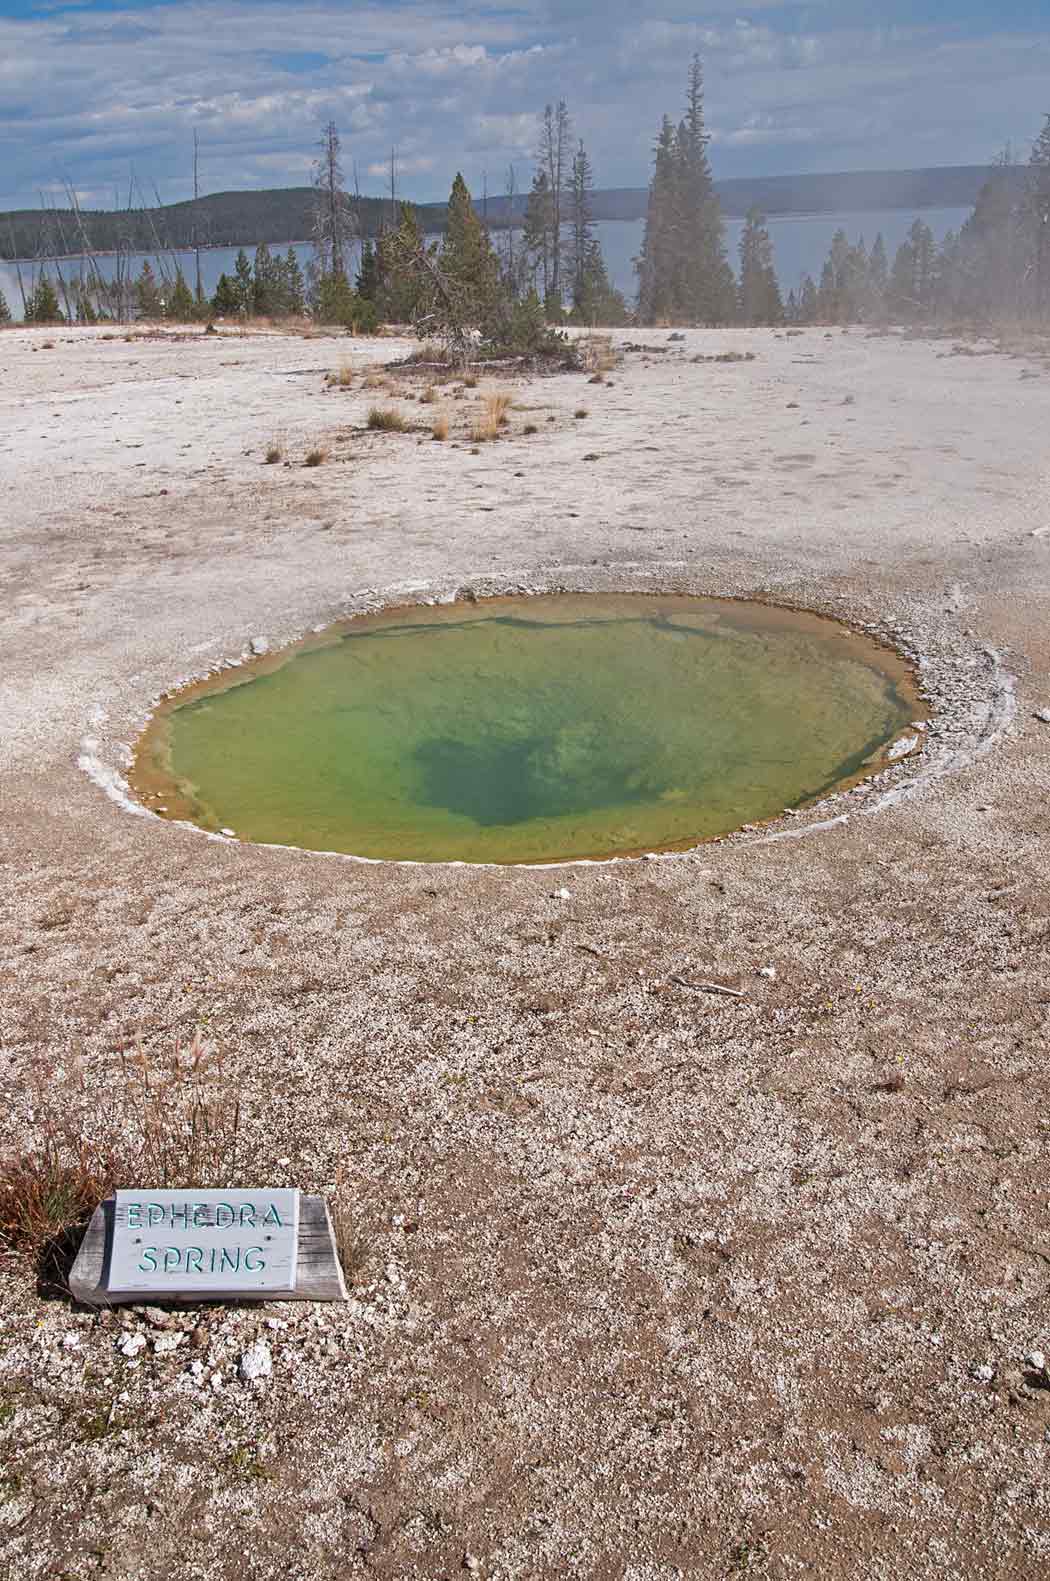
(529, 730)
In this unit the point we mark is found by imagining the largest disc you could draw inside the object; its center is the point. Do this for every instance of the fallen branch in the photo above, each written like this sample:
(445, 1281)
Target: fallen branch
(709, 988)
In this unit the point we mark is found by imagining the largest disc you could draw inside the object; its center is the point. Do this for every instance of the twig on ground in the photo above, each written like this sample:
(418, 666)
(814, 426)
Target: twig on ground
(708, 988)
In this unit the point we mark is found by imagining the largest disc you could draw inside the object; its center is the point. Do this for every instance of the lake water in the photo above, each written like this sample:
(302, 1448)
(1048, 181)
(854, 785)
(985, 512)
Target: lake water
(800, 245)
(529, 730)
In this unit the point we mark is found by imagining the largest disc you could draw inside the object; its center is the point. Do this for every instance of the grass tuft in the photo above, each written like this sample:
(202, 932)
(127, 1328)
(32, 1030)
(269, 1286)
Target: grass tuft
(440, 429)
(315, 457)
(387, 419)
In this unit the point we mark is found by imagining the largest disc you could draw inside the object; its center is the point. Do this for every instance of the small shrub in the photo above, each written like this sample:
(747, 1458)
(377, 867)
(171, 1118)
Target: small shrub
(485, 431)
(580, 412)
(470, 382)
(440, 428)
(376, 381)
(315, 457)
(274, 451)
(387, 419)
(530, 428)
(342, 378)
(429, 395)
(596, 354)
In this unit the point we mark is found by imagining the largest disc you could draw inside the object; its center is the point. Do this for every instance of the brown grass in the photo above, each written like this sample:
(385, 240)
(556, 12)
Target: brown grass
(440, 428)
(387, 419)
(342, 378)
(171, 1123)
(316, 457)
(597, 353)
(275, 450)
(376, 381)
(497, 406)
(429, 395)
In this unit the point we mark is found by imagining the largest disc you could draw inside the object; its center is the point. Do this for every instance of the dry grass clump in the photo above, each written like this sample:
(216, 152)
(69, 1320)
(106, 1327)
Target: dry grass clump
(342, 378)
(429, 395)
(497, 407)
(376, 381)
(596, 353)
(274, 451)
(727, 356)
(483, 432)
(315, 457)
(387, 419)
(172, 1123)
(470, 382)
(440, 426)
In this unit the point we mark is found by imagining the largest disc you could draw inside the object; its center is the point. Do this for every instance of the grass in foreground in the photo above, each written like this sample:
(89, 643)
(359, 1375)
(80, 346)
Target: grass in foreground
(387, 419)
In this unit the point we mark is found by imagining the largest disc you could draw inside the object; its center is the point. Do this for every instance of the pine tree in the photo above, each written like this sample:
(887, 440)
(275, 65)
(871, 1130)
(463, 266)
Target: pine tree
(808, 300)
(683, 271)
(180, 305)
(293, 286)
(538, 232)
(267, 284)
(554, 157)
(42, 305)
(5, 311)
(147, 293)
(226, 299)
(707, 286)
(398, 288)
(467, 257)
(581, 228)
(367, 283)
(243, 283)
(656, 262)
(760, 301)
(878, 269)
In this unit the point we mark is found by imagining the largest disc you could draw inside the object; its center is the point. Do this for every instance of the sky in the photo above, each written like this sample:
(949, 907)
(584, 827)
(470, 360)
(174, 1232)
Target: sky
(98, 92)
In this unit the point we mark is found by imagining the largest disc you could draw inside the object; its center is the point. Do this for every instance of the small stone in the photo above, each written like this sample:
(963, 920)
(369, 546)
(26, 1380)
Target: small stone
(164, 1344)
(768, 971)
(471, 1564)
(256, 1363)
(562, 894)
(71, 1342)
(983, 1372)
(259, 646)
(1043, 715)
(129, 1344)
(156, 1317)
(1036, 1360)
(216, 1383)
(199, 1337)
(229, 833)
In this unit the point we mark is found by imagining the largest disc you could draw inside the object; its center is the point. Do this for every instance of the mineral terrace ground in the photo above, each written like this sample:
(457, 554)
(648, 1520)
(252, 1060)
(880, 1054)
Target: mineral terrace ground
(650, 1283)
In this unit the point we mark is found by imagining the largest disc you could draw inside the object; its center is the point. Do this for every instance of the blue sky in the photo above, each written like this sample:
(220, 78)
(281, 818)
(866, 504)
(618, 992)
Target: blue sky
(90, 92)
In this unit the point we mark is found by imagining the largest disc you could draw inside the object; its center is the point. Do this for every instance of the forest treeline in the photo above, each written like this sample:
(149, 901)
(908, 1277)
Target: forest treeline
(513, 289)
(279, 215)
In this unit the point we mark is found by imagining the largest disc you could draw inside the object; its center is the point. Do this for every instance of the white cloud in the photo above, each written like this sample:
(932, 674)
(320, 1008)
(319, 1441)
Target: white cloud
(458, 83)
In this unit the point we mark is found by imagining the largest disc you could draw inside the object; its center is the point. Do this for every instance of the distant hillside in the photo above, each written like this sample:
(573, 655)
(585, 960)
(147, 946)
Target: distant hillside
(282, 214)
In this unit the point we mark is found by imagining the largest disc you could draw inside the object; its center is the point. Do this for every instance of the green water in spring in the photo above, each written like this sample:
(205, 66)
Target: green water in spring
(532, 730)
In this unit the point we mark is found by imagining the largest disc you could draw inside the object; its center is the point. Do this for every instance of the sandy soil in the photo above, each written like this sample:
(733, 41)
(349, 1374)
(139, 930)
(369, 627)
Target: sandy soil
(650, 1283)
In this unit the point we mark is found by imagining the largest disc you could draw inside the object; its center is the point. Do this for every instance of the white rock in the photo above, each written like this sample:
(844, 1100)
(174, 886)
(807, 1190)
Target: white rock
(71, 1342)
(259, 645)
(129, 1345)
(984, 1373)
(164, 1344)
(257, 1362)
(562, 894)
(768, 971)
(216, 1383)
(1036, 1360)
(1043, 715)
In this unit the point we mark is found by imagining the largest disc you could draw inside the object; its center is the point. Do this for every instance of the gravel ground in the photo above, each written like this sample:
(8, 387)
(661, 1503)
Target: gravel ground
(646, 1283)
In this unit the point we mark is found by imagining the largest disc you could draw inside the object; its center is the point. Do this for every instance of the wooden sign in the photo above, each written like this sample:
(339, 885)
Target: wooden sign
(268, 1244)
(218, 1241)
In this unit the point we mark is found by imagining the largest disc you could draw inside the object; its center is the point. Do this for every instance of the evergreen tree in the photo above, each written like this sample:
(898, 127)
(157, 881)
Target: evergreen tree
(707, 288)
(554, 159)
(656, 263)
(581, 228)
(42, 305)
(760, 301)
(243, 283)
(808, 301)
(294, 285)
(467, 257)
(5, 311)
(334, 301)
(267, 284)
(683, 272)
(539, 230)
(148, 300)
(878, 270)
(180, 304)
(368, 275)
(226, 299)
(397, 287)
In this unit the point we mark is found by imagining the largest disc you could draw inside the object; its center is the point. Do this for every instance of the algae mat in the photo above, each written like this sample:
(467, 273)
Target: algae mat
(529, 730)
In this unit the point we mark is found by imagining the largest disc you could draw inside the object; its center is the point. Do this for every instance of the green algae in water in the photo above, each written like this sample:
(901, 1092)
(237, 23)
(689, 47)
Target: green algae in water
(532, 730)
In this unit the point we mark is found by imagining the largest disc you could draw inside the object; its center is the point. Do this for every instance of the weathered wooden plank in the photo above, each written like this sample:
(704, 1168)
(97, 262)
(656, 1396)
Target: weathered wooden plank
(319, 1275)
